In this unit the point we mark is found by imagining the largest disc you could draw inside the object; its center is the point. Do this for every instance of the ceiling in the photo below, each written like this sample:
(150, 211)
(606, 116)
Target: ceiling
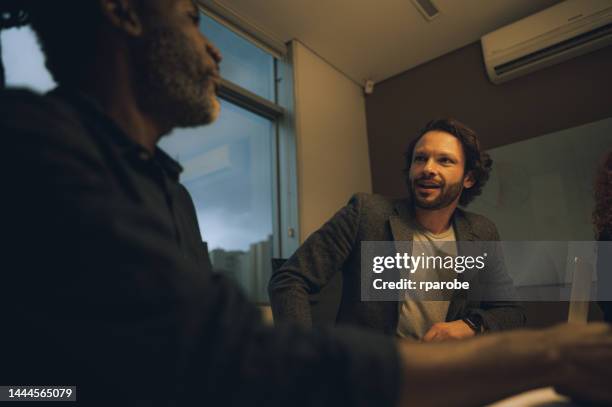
(379, 39)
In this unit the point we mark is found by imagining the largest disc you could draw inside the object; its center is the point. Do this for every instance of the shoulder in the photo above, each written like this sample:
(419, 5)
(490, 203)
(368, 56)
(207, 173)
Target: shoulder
(373, 210)
(481, 226)
(24, 111)
(17, 104)
(31, 122)
(13, 97)
(48, 140)
(373, 203)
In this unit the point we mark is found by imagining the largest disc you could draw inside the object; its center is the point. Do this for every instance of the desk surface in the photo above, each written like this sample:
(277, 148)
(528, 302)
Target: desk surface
(539, 397)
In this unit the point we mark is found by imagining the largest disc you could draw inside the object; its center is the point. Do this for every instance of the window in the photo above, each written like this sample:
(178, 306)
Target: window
(240, 171)
(23, 60)
(228, 170)
(243, 63)
(234, 168)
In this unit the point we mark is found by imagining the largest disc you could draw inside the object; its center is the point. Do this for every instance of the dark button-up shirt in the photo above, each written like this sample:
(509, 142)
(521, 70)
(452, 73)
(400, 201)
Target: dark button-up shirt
(106, 284)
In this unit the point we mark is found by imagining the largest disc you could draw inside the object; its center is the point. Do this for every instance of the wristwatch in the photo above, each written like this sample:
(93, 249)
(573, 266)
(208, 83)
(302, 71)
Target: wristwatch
(475, 322)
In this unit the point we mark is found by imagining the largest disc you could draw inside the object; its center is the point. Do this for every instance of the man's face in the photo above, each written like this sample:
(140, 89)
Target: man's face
(437, 171)
(179, 71)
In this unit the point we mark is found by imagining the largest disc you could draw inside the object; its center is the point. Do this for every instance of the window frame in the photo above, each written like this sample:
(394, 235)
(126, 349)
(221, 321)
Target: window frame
(284, 169)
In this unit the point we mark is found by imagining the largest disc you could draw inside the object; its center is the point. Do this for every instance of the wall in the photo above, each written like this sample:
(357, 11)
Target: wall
(332, 148)
(566, 95)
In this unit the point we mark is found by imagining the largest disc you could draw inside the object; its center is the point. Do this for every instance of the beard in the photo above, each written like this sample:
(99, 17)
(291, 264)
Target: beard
(175, 85)
(446, 196)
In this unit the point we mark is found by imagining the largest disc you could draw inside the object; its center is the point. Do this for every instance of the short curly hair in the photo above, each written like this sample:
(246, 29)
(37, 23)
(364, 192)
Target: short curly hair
(477, 162)
(602, 215)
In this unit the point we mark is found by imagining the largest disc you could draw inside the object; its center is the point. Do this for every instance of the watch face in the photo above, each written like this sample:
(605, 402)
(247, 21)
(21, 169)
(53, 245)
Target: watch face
(475, 322)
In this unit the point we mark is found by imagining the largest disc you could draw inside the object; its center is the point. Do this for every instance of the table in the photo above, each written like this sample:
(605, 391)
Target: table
(545, 397)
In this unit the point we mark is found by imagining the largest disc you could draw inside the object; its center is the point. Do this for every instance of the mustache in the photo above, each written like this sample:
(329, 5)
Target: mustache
(428, 181)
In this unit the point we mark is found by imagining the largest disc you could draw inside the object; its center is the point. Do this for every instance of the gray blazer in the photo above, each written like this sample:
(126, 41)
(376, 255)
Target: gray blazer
(336, 247)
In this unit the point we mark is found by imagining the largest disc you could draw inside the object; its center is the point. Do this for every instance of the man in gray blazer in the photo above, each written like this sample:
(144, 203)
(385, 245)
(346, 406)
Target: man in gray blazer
(445, 168)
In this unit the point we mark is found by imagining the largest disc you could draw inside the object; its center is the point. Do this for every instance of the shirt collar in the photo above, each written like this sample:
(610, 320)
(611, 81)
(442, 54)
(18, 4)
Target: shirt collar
(88, 106)
(172, 166)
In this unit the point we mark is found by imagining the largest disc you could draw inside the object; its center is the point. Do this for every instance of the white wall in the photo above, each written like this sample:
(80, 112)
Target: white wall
(332, 145)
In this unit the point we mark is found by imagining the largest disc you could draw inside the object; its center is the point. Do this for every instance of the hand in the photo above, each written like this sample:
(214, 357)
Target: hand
(585, 352)
(575, 359)
(443, 331)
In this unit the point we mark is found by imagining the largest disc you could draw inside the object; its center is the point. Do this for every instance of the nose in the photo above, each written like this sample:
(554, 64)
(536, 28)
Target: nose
(429, 167)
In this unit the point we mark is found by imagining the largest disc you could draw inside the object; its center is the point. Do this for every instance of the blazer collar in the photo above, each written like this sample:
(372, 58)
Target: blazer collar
(403, 220)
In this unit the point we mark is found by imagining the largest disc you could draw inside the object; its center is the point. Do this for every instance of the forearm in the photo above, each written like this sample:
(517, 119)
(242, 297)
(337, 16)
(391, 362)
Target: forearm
(291, 305)
(313, 265)
(476, 371)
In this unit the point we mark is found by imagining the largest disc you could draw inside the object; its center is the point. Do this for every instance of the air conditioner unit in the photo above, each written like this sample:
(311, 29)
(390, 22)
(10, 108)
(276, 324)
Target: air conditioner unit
(561, 32)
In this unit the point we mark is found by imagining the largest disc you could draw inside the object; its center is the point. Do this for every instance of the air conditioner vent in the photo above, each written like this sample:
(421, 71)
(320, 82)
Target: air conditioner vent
(427, 8)
(554, 49)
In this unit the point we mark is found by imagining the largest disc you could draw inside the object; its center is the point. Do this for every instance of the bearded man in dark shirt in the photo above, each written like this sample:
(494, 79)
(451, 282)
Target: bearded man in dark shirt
(106, 285)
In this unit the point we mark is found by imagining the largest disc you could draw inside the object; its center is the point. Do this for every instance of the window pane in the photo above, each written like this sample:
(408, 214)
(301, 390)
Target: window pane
(24, 63)
(243, 63)
(228, 171)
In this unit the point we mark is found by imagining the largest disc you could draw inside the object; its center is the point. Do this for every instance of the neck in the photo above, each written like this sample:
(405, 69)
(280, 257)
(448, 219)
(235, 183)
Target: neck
(435, 221)
(111, 86)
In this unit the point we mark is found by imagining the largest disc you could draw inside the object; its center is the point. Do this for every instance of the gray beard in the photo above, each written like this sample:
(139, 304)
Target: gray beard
(447, 195)
(172, 86)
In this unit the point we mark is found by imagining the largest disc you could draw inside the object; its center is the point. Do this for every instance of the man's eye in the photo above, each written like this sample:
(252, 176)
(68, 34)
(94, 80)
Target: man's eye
(446, 160)
(419, 158)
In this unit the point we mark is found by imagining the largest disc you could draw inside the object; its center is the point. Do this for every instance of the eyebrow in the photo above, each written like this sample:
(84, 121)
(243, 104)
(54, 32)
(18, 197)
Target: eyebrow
(440, 154)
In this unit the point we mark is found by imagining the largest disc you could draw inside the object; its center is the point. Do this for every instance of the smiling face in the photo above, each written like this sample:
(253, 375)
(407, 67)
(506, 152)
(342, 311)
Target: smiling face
(180, 71)
(437, 176)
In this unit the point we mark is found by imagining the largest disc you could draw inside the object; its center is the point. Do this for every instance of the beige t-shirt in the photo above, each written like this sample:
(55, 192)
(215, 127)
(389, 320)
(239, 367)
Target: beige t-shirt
(416, 317)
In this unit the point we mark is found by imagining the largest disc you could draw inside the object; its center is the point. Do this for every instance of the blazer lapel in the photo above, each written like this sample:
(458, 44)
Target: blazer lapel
(401, 227)
(401, 222)
(463, 231)
(403, 232)
(465, 242)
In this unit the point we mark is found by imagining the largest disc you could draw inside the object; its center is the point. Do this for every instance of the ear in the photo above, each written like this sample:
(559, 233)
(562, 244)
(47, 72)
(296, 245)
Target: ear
(123, 15)
(468, 180)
